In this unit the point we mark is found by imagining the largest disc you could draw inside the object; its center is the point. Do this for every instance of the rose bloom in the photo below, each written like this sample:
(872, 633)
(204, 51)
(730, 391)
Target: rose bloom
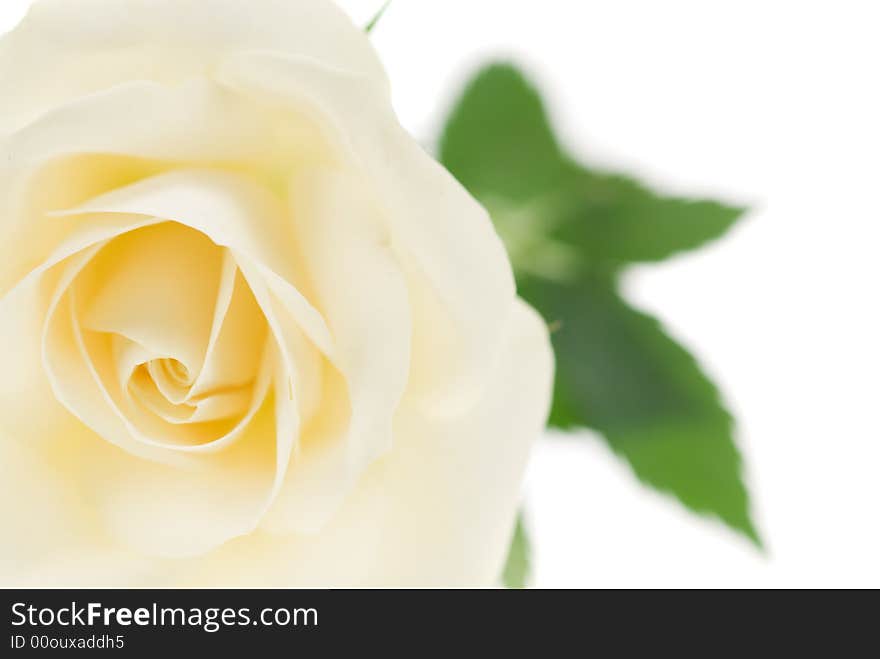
(250, 333)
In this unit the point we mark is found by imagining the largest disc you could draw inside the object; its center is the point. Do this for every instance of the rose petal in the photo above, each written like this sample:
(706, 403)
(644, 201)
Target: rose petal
(231, 209)
(22, 316)
(29, 411)
(235, 213)
(155, 286)
(160, 509)
(166, 511)
(441, 232)
(359, 287)
(238, 333)
(97, 145)
(425, 515)
(439, 509)
(168, 41)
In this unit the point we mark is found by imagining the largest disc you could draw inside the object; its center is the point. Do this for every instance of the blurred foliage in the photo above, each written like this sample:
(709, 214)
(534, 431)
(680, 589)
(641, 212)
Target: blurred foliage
(570, 231)
(516, 570)
(368, 28)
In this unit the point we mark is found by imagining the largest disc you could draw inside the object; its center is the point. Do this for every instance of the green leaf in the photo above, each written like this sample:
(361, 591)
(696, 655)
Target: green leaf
(616, 220)
(619, 373)
(499, 144)
(516, 570)
(570, 231)
(368, 28)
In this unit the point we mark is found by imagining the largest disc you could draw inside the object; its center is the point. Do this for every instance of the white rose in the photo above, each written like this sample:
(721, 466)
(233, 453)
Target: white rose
(250, 333)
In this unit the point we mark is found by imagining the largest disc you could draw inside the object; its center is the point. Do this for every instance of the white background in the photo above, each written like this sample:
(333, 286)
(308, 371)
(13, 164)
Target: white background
(773, 104)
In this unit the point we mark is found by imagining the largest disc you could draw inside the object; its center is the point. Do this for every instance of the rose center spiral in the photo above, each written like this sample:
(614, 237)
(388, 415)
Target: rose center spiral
(171, 334)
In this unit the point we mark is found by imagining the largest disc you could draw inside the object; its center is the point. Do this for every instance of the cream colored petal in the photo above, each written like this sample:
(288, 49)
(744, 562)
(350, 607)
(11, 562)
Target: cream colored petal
(29, 411)
(218, 407)
(63, 50)
(155, 286)
(44, 518)
(231, 210)
(300, 392)
(109, 141)
(234, 213)
(300, 374)
(437, 510)
(88, 383)
(295, 304)
(360, 289)
(229, 491)
(81, 368)
(307, 389)
(60, 538)
(74, 383)
(321, 474)
(142, 375)
(185, 507)
(28, 407)
(238, 334)
(287, 427)
(74, 234)
(172, 387)
(161, 510)
(443, 235)
(178, 508)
